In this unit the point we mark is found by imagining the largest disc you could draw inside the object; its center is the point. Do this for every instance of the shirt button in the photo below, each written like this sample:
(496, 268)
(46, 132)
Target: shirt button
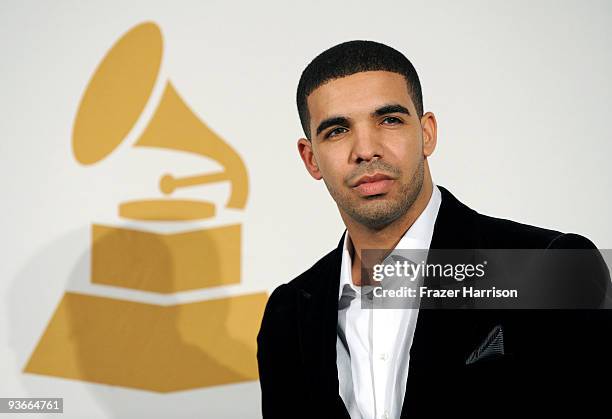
(385, 415)
(383, 356)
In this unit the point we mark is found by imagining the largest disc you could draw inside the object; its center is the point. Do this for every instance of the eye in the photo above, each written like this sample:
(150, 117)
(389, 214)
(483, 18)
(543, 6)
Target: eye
(335, 132)
(392, 120)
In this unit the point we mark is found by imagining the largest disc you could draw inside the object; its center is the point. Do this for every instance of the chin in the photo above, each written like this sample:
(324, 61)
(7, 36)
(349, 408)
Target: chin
(378, 215)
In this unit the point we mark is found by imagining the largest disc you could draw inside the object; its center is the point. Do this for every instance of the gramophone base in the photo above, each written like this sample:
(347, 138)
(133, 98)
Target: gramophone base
(165, 263)
(151, 347)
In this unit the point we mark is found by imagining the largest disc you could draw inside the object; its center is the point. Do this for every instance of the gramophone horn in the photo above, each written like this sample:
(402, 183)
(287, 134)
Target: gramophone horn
(113, 102)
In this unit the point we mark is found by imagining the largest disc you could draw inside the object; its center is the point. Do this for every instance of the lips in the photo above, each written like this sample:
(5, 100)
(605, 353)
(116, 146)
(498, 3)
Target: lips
(373, 184)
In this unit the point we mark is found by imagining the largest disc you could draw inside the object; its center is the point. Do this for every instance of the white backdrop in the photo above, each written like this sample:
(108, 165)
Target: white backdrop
(520, 90)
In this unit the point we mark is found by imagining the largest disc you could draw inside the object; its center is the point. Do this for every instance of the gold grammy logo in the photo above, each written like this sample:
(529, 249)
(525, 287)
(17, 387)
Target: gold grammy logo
(147, 346)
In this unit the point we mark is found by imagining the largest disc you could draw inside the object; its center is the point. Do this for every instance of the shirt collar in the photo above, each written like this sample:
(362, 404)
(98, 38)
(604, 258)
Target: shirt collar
(418, 236)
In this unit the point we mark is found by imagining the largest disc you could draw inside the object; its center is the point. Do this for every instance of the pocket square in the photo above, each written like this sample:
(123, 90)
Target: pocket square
(491, 347)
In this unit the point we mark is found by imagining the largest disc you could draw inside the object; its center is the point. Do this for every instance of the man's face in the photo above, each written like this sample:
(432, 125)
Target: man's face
(368, 145)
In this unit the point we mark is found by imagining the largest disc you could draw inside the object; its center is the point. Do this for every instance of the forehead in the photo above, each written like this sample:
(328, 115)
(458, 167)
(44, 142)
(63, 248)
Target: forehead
(359, 93)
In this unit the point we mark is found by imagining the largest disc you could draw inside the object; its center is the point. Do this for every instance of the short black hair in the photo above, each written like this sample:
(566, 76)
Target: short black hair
(354, 57)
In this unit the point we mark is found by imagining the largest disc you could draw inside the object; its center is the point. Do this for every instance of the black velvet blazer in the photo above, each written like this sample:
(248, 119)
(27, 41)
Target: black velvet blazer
(553, 360)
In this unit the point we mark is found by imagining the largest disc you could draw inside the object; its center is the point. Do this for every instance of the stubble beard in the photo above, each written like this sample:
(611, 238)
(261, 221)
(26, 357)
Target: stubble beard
(379, 213)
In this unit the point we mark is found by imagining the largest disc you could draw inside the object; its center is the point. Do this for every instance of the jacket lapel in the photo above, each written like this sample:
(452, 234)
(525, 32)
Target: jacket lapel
(441, 335)
(318, 319)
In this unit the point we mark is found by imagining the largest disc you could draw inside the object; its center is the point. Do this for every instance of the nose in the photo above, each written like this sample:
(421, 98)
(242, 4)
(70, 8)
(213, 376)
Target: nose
(366, 145)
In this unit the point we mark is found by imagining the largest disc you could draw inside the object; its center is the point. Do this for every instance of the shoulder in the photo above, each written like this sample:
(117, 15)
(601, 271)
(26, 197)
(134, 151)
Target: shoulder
(502, 233)
(459, 225)
(492, 232)
(282, 309)
(311, 281)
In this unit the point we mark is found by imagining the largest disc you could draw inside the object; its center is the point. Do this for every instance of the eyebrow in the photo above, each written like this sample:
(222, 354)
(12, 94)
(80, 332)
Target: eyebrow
(393, 108)
(334, 120)
(341, 120)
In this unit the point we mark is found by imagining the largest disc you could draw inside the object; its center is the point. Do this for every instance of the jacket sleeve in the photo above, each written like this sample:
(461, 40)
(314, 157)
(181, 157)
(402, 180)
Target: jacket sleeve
(587, 330)
(580, 264)
(278, 357)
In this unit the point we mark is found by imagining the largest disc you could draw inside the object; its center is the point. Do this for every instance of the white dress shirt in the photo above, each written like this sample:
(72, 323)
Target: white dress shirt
(373, 346)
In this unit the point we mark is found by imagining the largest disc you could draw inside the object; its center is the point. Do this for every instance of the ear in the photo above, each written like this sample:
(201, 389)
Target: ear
(308, 157)
(430, 133)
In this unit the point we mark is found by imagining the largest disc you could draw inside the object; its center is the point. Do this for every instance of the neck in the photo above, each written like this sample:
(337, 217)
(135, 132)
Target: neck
(363, 237)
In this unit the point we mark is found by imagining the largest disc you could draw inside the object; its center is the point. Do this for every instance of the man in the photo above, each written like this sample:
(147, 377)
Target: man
(321, 354)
